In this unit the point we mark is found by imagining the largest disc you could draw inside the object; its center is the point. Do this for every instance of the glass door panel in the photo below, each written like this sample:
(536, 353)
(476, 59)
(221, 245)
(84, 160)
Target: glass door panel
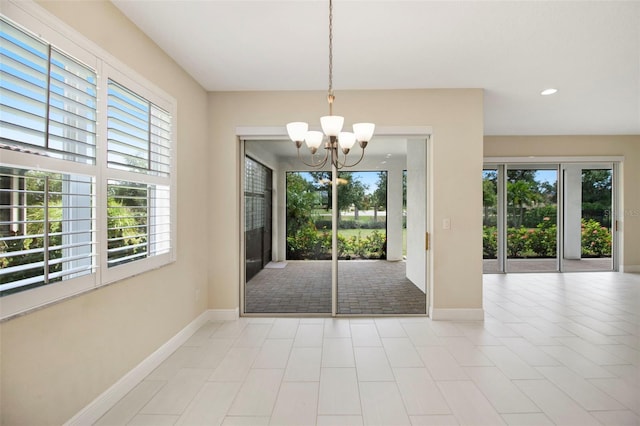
(287, 235)
(531, 218)
(363, 272)
(490, 260)
(588, 232)
(381, 231)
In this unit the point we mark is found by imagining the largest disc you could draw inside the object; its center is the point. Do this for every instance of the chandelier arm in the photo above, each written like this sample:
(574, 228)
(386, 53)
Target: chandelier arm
(313, 164)
(340, 165)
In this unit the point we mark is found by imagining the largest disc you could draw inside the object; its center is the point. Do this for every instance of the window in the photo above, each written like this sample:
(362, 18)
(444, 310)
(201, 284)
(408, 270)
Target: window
(138, 223)
(48, 102)
(79, 206)
(47, 227)
(139, 133)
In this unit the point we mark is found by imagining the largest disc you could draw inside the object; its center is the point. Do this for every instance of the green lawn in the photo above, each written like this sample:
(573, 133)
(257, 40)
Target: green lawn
(362, 232)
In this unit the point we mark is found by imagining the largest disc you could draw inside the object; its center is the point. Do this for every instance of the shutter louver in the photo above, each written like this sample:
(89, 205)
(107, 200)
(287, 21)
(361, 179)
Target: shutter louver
(47, 100)
(23, 89)
(139, 133)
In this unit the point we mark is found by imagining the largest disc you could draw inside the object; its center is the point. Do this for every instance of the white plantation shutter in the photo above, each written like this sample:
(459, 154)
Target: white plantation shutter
(138, 221)
(160, 142)
(139, 144)
(23, 88)
(72, 110)
(139, 133)
(47, 99)
(86, 166)
(47, 225)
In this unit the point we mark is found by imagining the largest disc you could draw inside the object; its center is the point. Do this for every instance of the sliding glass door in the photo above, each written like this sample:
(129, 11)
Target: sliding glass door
(335, 242)
(490, 208)
(588, 212)
(548, 217)
(532, 228)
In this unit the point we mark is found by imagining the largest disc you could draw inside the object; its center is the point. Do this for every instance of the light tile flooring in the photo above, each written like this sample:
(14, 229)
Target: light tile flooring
(558, 349)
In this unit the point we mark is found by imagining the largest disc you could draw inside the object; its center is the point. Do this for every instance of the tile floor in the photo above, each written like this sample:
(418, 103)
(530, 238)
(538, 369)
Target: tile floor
(558, 349)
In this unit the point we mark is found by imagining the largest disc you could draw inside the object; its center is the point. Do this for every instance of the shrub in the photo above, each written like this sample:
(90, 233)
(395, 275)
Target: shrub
(307, 243)
(541, 241)
(323, 224)
(310, 244)
(517, 241)
(596, 239)
(536, 215)
(489, 242)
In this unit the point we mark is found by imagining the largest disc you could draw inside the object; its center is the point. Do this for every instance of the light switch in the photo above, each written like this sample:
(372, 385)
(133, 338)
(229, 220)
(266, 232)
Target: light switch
(446, 223)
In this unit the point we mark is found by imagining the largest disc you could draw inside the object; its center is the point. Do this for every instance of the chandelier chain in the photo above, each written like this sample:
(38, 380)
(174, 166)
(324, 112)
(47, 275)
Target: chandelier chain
(330, 98)
(338, 142)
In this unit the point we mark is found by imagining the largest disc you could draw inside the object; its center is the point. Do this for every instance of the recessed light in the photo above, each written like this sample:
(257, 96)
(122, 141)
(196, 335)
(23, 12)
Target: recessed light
(549, 91)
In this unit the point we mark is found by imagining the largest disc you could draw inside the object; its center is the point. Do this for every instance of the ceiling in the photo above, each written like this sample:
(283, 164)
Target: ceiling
(588, 50)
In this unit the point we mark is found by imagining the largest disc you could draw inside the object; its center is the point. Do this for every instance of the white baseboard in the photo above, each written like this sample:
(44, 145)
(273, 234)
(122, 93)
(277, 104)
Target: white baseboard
(99, 406)
(634, 269)
(438, 314)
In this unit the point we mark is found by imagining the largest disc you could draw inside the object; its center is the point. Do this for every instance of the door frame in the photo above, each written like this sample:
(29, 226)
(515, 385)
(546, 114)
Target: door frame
(502, 164)
(248, 133)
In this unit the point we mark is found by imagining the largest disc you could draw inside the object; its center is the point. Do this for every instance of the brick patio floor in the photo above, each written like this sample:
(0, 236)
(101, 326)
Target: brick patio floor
(370, 287)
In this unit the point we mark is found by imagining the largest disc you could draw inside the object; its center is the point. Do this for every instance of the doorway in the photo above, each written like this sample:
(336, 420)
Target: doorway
(367, 270)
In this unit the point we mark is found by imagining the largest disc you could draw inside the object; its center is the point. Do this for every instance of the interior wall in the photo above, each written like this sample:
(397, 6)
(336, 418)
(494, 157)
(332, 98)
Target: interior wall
(57, 359)
(456, 119)
(560, 146)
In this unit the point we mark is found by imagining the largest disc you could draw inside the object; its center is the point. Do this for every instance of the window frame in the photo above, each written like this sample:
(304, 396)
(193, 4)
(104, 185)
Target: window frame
(36, 21)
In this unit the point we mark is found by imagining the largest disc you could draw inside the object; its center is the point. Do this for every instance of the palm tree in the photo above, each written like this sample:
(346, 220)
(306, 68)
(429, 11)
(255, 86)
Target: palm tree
(521, 193)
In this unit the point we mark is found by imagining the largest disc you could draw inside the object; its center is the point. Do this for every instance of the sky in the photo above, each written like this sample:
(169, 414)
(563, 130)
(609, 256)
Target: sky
(369, 179)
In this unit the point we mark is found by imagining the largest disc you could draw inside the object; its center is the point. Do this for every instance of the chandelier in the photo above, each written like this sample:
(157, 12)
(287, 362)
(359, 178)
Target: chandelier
(332, 128)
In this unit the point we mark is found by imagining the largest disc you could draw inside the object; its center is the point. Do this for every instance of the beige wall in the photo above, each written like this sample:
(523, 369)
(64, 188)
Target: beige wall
(456, 118)
(549, 146)
(57, 360)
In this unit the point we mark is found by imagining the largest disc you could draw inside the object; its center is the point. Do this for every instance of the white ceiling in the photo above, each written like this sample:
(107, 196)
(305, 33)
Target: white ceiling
(589, 50)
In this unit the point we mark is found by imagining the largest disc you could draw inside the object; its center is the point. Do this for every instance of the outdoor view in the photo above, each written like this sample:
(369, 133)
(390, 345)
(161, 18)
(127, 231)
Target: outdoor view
(50, 217)
(39, 226)
(531, 221)
(362, 202)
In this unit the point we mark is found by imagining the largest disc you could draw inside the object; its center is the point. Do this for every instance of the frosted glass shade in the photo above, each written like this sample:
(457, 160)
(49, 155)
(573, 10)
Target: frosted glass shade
(346, 140)
(297, 130)
(313, 139)
(364, 131)
(331, 124)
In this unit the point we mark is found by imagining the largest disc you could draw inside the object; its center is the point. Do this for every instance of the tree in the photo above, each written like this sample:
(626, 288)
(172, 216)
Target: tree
(490, 196)
(521, 193)
(596, 196)
(322, 184)
(379, 196)
(404, 190)
(302, 197)
(351, 191)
